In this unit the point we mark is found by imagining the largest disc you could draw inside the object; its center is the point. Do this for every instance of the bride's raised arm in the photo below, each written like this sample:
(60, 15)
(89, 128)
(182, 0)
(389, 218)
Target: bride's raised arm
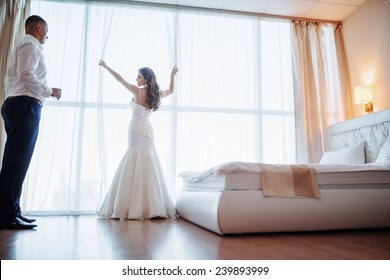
(168, 92)
(130, 87)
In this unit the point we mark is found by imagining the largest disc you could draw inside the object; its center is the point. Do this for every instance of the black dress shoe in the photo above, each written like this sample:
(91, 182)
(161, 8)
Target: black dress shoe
(24, 219)
(16, 224)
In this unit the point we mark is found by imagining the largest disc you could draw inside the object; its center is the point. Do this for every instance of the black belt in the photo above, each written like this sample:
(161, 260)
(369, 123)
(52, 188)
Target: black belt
(25, 97)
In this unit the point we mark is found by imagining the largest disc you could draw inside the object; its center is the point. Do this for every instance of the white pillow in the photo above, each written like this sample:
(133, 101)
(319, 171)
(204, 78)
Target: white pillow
(349, 155)
(384, 153)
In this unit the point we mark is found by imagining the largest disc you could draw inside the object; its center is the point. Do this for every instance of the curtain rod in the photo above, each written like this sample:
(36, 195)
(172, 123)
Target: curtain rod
(196, 9)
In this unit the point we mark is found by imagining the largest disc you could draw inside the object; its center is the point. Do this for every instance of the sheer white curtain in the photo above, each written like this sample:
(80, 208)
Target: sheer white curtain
(236, 89)
(218, 107)
(233, 99)
(319, 86)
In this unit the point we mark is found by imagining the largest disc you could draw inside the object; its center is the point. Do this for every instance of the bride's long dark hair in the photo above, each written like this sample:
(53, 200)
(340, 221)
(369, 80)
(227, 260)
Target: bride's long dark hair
(152, 88)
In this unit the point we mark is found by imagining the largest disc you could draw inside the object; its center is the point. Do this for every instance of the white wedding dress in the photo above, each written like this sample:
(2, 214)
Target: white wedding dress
(138, 190)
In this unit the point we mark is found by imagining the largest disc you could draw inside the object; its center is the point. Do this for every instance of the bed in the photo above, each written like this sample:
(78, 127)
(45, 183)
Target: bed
(353, 180)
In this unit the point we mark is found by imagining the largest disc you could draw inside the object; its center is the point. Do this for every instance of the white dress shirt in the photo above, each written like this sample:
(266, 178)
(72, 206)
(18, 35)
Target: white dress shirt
(27, 72)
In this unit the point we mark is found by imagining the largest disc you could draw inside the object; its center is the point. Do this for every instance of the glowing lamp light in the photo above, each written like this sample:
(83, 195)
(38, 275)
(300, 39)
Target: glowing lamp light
(363, 95)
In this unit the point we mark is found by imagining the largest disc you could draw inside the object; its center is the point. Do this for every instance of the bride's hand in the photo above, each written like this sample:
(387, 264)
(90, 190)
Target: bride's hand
(174, 70)
(102, 63)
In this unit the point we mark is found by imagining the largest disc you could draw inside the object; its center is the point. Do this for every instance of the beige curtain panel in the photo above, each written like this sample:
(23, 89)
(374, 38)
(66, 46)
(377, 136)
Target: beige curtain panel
(12, 17)
(320, 87)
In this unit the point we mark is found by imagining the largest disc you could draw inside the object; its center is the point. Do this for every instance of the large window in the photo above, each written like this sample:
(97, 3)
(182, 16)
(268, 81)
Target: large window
(233, 98)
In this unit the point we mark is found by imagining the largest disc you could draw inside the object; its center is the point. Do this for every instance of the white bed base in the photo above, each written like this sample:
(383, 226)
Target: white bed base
(235, 212)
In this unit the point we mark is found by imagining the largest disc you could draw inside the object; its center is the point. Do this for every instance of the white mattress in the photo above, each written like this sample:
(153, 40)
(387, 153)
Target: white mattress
(246, 176)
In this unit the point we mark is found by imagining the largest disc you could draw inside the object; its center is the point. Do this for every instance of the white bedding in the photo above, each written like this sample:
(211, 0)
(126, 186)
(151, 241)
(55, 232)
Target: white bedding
(246, 176)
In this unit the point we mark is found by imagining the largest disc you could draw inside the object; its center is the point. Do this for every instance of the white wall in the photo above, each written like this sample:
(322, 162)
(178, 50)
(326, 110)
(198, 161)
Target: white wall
(367, 43)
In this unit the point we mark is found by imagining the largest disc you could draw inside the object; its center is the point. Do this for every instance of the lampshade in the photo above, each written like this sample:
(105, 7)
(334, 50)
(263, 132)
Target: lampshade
(362, 94)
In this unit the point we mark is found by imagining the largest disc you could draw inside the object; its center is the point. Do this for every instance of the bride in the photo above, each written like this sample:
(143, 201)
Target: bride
(138, 189)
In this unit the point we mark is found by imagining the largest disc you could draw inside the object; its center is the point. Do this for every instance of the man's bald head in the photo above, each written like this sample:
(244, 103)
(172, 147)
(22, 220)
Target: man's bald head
(32, 21)
(37, 27)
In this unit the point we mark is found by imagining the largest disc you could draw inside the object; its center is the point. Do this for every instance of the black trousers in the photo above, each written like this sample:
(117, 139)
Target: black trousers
(21, 119)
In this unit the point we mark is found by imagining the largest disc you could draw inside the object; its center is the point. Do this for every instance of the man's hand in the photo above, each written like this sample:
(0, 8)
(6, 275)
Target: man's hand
(56, 93)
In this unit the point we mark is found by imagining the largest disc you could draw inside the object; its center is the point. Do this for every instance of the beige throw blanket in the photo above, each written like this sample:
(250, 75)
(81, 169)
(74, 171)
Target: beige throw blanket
(289, 180)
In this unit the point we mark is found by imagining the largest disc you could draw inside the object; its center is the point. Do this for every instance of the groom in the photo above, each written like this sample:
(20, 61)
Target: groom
(25, 91)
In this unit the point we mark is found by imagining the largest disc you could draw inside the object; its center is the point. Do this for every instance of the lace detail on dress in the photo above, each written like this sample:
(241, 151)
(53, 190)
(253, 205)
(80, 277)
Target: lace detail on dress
(144, 113)
(148, 136)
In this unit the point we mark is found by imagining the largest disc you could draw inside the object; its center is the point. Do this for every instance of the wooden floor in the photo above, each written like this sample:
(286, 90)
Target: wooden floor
(93, 238)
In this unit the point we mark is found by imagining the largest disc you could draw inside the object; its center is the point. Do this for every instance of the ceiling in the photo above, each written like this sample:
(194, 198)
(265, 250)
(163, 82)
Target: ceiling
(328, 10)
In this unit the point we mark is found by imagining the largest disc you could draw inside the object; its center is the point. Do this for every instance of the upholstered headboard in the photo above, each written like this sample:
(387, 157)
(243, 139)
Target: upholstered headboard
(374, 129)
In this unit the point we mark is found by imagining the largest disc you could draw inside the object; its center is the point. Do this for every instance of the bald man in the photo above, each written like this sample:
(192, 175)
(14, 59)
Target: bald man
(26, 91)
